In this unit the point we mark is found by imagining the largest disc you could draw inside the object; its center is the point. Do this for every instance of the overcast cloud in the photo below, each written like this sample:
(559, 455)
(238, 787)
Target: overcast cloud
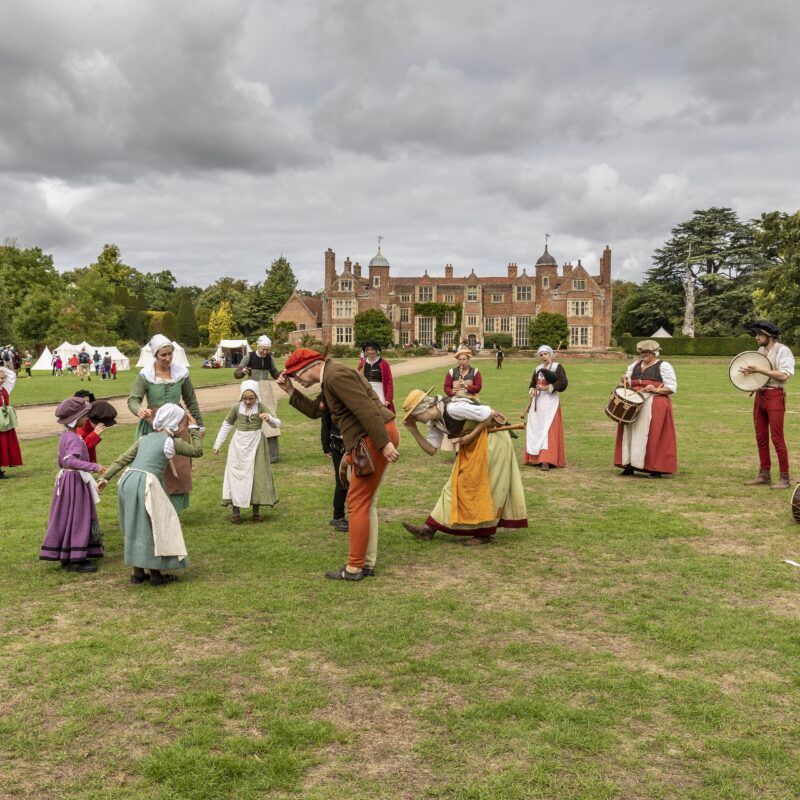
(210, 136)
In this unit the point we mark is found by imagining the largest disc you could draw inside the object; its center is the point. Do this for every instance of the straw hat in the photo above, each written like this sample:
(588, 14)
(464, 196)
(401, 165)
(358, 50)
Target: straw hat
(413, 399)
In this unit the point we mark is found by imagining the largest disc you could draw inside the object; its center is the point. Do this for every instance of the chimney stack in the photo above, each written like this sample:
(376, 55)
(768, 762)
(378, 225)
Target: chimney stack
(512, 269)
(357, 269)
(330, 268)
(448, 270)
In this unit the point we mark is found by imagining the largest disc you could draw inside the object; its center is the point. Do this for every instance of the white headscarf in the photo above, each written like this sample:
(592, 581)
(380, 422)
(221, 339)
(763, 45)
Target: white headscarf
(264, 341)
(545, 348)
(251, 386)
(168, 417)
(157, 342)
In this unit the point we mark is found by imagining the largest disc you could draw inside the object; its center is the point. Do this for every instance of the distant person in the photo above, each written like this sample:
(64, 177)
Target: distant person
(248, 477)
(84, 364)
(499, 356)
(377, 372)
(463, 380)
(770, 403)
(58, 365)
(114, 370)
(27, 362)
(544, 430)
(53, 359)
(260, 366)
(73, 364)
(106, 367)
(96, 359)
(10, 455)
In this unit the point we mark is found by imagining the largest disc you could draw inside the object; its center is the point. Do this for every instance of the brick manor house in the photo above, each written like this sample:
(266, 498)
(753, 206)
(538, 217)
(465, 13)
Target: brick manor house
(480, 306)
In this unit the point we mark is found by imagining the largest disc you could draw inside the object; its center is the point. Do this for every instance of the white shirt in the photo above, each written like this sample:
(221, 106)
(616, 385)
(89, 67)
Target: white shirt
(782, 360)
(9, 379)
(667, 374)
(458, 409)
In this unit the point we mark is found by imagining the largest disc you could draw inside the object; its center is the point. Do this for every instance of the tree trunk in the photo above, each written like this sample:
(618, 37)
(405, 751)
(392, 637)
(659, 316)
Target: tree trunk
(688, 292)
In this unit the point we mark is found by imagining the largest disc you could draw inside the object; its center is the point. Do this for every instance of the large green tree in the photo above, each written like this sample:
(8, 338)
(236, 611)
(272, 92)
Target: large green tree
(647, 308)
(778, 288)
(550, 329)
(35, 316)
(372, 324)
(20, 271)
(279, 285)
(188, 333)
(708, 256)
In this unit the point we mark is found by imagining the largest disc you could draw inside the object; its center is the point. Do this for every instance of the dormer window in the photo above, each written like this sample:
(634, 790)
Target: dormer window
(345, 286)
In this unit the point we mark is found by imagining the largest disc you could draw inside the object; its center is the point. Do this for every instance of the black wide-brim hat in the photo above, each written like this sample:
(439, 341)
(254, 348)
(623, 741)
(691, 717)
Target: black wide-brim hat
(765, 326)
(371, 343)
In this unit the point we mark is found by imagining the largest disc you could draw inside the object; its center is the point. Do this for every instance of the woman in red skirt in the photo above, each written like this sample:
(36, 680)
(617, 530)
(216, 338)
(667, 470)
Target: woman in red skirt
(10, 455)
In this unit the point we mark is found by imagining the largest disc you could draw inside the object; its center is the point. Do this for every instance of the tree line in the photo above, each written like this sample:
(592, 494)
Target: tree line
(110, 302)
(714, 276)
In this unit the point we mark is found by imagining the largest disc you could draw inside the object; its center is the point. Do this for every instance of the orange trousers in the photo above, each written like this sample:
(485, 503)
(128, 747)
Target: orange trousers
(362, 502)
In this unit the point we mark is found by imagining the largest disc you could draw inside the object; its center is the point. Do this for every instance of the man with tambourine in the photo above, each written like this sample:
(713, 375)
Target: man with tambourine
(770, 402)
(648, 444)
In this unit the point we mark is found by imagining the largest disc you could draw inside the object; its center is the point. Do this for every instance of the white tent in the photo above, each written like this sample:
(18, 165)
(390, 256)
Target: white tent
(226, 346)
(67, 350)
(179, 356)
(45, 360)
(122, 361)
(662, 334)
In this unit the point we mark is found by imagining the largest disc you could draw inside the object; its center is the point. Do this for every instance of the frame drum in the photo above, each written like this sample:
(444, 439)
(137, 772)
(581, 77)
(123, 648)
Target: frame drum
(624, 405)
(796, 504)
(754, 381)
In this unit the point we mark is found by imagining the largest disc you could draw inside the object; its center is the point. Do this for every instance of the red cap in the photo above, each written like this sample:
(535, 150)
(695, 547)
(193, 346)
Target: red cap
(300, 359)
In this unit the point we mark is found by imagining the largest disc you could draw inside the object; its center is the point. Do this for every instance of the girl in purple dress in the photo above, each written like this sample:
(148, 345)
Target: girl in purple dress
(73, 533)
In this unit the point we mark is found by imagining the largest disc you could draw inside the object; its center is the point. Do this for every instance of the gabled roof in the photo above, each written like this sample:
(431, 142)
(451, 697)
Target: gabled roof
(313, 304)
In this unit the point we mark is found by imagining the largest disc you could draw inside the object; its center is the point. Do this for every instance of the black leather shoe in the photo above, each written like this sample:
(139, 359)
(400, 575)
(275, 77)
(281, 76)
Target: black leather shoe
(626, 472)
(79, 566)
(344, 575)
(368, 572)
(342, 525)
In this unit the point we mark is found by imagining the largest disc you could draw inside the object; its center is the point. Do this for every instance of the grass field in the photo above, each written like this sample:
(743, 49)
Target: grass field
(640, 640)
(44, 388)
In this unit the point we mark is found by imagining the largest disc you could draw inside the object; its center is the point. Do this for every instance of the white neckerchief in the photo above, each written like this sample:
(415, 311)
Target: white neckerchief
(177, 372)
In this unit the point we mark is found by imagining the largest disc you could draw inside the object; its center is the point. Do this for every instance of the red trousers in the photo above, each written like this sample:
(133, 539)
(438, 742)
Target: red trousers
(362, 499)
(768, 411)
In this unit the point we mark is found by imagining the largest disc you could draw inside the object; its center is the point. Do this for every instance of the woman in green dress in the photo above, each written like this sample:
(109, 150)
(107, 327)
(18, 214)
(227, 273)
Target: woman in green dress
(248, 475)
(150, 526)
(159, 383)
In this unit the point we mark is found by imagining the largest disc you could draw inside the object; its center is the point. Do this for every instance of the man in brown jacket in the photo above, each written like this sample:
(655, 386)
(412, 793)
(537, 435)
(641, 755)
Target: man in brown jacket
(359, 414)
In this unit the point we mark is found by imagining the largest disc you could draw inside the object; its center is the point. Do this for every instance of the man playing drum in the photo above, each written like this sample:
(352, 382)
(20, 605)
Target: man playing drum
(770, 402)
(648, 443)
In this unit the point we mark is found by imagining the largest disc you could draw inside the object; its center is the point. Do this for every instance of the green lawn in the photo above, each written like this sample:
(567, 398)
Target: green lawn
(640, 640)
(44, 388)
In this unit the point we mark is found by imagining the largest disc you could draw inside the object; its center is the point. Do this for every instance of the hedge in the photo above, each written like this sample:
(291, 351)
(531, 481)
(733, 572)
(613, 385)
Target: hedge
(697, 346)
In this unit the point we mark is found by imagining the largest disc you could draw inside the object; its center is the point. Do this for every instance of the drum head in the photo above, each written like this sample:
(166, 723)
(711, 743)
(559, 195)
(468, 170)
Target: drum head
(796, 504)
(748, 383)
(629, 395)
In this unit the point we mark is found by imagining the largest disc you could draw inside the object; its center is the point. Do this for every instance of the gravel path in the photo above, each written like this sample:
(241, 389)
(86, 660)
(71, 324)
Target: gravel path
(38, 422)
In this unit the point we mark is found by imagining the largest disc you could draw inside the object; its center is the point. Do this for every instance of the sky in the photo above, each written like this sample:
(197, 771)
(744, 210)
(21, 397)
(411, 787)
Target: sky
(211, 137)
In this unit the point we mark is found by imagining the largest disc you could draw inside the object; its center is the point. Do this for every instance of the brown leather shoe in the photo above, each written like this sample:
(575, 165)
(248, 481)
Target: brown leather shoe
(783, 483)
(763, 479)
(422, 532)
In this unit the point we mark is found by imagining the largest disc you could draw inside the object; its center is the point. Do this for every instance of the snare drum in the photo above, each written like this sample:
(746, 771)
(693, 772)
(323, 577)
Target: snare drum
(796, 504)
(624, 405)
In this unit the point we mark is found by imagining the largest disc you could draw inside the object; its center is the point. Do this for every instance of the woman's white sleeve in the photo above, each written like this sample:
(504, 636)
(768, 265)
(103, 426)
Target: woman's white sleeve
(223, 434)
(274, 422)
(668, 377)
(169, 447)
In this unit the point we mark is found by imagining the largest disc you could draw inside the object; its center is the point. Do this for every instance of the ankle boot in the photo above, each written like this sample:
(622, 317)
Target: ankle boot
(762, 479)
(783, 483)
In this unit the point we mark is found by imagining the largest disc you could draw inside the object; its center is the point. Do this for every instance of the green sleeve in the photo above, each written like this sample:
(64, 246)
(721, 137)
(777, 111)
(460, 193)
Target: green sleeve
(262, 409)
(138, 393)
(232, 415)
(193, 449)
(122, 461)
(190, 398)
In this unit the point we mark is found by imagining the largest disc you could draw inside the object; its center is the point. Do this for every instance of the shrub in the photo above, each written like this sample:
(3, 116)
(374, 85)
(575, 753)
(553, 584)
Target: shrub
(129, 347)
(696, 346)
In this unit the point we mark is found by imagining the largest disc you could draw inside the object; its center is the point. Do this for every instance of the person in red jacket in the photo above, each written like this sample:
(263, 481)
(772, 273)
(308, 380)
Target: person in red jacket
(102, 415)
